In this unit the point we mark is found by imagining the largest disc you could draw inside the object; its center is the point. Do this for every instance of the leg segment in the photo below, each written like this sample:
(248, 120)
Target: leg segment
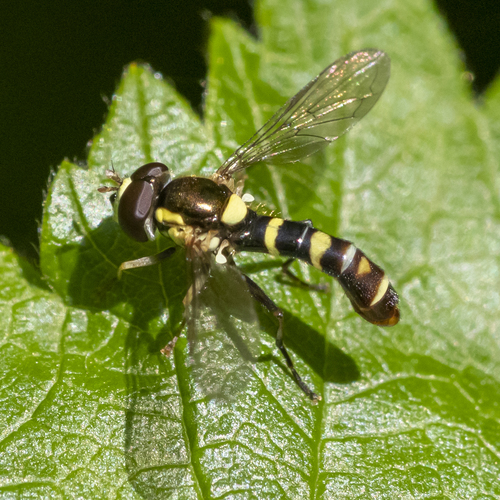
(167, 350)
(285, 269)
(259, 295)
(146, 261)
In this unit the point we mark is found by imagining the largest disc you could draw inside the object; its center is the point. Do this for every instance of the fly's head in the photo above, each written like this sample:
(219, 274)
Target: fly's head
(135, 199)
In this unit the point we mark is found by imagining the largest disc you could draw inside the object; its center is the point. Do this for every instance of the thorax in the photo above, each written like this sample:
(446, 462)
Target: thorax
(192, 207)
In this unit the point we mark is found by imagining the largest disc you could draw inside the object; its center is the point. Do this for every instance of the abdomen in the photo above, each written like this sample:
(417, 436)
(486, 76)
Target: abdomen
(365, 283)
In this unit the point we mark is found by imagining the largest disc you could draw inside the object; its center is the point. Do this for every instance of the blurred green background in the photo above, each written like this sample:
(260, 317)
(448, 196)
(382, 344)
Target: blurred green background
(61, 62)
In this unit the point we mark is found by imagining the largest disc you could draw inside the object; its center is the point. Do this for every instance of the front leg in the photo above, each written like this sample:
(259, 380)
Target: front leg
(151, 260)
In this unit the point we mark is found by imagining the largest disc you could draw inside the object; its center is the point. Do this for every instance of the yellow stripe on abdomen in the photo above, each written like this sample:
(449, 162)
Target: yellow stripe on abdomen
(271, 234)
(382, 288)
(320, 243)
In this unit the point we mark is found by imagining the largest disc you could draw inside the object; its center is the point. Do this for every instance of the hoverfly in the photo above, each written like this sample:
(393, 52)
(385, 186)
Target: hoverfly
(211, 219)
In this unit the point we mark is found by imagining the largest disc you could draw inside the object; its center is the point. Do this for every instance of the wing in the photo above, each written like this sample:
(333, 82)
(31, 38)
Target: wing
(218, 300)
(199, 264)
(326, 108)
(226, 336)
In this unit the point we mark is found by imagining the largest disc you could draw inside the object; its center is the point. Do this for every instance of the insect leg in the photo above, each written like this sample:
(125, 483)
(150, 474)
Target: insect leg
(285, 269)
(167, 350)
(151, 260)
(259, 295)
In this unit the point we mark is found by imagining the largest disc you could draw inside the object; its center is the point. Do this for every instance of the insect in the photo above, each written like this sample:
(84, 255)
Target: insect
(211, 219)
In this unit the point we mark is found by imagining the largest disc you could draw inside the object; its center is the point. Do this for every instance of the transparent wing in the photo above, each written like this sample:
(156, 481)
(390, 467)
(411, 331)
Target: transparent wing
(226, 333)
(222, 326)
(326, 108)
(199, 264)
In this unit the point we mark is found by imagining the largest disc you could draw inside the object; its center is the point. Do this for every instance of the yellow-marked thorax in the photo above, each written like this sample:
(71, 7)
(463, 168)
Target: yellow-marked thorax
(192, 201)
(198, 202)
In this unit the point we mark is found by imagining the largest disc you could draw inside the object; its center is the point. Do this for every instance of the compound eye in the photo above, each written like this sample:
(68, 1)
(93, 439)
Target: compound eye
(134, 209)
(152, 171)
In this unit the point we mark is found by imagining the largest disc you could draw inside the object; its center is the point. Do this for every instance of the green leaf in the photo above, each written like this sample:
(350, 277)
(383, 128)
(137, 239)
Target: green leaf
(90, 406)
